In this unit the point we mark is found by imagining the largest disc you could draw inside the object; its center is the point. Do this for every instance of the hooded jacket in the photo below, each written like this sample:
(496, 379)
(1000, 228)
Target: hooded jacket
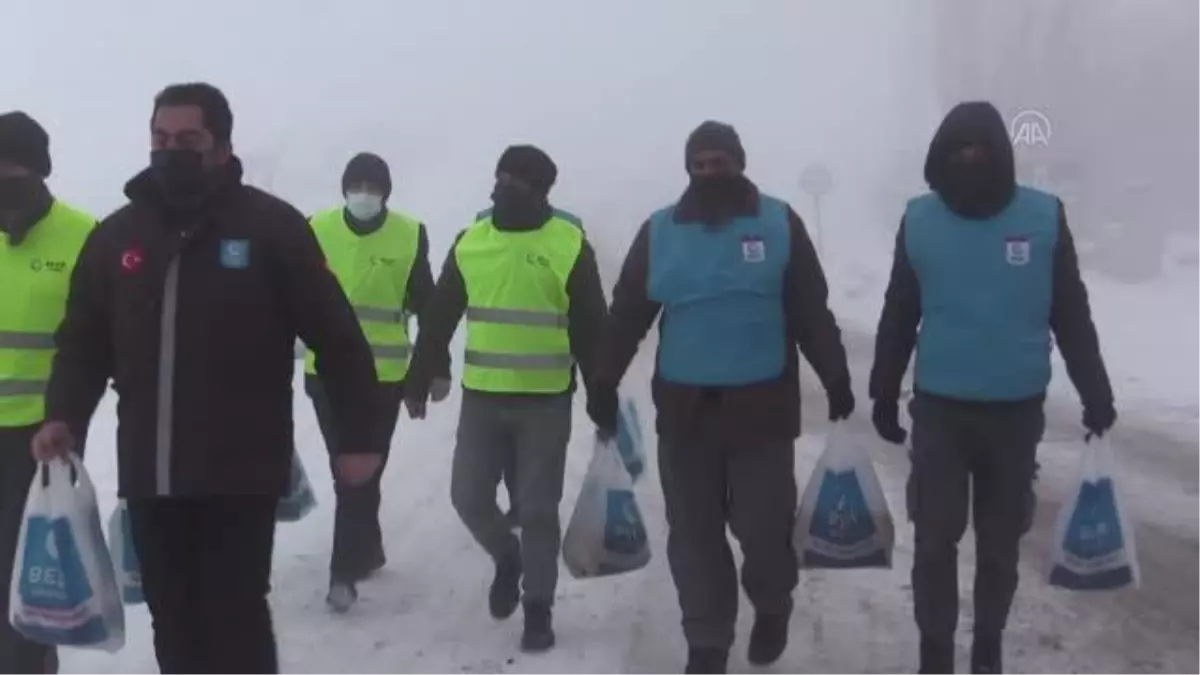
(976, 195)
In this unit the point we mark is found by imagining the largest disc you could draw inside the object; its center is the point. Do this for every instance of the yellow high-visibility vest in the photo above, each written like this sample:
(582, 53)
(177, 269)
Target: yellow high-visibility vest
(517, 303)
(35, 276)
(373, 270)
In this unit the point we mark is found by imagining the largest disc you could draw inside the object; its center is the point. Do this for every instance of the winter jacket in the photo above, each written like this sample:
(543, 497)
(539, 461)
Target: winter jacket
(765, 410)
(979, 201)
(194, 315)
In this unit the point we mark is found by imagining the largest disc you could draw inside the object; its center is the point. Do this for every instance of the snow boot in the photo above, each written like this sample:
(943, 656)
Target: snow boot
(985, 654)
(937, 656)
(505, 594)
(539, 634)
(369, 566)
(768, 638)
(342, 596)
(707, 661)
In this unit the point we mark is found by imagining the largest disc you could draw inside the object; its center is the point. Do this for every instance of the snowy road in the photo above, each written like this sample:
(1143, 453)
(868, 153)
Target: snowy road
(427, 610)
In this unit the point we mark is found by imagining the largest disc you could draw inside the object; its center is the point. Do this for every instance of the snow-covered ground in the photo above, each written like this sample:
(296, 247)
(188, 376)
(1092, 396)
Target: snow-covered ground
(427, 611)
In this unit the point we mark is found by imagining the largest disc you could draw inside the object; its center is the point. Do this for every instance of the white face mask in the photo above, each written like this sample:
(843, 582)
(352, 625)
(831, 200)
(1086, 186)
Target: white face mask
(364, 205)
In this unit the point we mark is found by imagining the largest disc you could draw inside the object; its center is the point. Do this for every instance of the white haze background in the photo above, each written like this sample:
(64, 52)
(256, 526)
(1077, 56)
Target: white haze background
(611, 89)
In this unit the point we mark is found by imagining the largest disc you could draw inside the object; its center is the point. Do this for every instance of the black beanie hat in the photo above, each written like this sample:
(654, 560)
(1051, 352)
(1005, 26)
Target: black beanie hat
(24, 142)
(370, 169)
(531, 165)
(714, 136)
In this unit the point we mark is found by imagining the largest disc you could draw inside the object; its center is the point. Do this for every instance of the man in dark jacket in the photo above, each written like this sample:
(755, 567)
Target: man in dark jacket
(191, 298)
(40, 240)
(738, 285)
(380, 257)
(526, 278)
(984, 272)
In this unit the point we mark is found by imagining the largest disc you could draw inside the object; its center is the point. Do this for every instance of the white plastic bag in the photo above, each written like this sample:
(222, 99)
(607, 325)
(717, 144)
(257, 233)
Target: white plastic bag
(843, 520)
(64, 589)
(124, 556)
(607, 534)
(300, 499)
(630, 442)
(1094, 542)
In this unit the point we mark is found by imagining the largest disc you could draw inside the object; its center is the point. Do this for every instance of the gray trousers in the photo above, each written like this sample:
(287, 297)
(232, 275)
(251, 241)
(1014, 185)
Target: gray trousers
(709, 482)
(969, 459)
(534, 429)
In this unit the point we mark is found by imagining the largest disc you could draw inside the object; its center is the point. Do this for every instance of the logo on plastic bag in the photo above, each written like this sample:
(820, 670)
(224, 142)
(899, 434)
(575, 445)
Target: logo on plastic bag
(1093, 546)
(624, 533)
(842, 530)
(54, 588)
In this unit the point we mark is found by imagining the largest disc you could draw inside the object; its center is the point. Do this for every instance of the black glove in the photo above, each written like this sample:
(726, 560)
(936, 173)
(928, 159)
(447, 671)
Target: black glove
(416, 398)
(1099, 418)
(885, 415)
(841, 402)
(602, 408)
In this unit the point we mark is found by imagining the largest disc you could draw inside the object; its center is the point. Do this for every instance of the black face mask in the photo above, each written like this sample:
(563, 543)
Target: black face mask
(180, 173)
(718, 196)
(719, 186)
(974, 188)
(19, 193)
(517, 207)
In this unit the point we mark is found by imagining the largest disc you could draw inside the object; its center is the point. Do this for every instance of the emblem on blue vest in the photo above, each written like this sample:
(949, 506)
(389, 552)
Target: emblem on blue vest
(1016, 251)
(235, 254)
(754, 249)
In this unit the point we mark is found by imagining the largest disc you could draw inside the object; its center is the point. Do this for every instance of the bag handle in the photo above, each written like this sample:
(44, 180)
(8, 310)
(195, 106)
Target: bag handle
(67, 472)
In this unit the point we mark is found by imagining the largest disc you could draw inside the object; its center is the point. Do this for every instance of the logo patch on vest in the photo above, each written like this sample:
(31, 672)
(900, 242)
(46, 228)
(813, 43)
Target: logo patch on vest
(235, 254)
(1016, 251)
(754, 249)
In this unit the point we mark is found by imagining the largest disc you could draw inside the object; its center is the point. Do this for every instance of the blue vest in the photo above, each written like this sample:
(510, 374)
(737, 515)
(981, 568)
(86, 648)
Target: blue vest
(986, 288)
(721, 291)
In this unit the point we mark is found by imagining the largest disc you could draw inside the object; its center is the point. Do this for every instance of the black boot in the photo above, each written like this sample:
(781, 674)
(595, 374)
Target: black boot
(985, 654)
(937, 656)
(539, 634)
(768, 638)
(505, 594)
(342, 596)
(707, 660)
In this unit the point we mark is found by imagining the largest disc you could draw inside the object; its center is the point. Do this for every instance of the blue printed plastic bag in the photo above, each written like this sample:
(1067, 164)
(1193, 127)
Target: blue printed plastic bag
(606, 534)
(124, 557)
(1094, 545)
(63, 590)
(300, 499)
(843, 519)
(629, 439)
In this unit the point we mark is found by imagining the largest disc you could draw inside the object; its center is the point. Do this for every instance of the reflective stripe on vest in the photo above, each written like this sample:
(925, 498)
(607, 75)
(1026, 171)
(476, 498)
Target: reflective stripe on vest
(373, 270)
(517, 328)
(35, 276)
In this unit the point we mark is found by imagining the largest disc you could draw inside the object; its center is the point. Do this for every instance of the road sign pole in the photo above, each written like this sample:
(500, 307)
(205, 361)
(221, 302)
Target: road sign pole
(820, 230)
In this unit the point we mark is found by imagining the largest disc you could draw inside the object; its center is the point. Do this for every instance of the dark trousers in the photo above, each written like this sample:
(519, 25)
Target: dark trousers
(206, 574)
(357, 537)
(978, 459)
(17, 466)
(709, 482)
